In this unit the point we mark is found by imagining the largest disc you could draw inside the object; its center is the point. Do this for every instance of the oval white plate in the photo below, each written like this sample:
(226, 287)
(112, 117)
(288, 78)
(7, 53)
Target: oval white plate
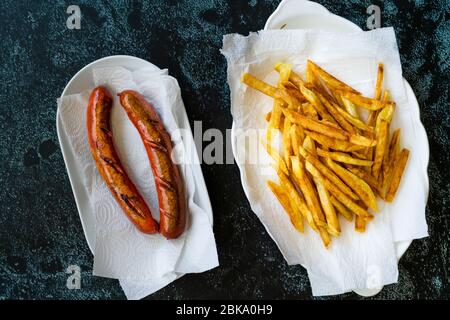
(83, 80)
(302, 14)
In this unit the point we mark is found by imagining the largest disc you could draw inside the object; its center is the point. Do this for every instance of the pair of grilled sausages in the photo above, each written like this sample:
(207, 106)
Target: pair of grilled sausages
(171, 198)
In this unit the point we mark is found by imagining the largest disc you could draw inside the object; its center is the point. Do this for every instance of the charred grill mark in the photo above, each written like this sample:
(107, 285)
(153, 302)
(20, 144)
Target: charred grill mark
(111, 163)
(157, 146)
(131, 205)
(168, 214)
(165, 184)
(153, 122)
(106, 131)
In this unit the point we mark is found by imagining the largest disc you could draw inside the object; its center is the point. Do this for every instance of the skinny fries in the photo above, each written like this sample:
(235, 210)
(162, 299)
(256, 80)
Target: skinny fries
(332, 163)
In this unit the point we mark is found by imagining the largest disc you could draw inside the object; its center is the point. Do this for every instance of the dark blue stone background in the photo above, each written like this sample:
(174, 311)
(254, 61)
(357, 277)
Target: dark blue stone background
(40, 231)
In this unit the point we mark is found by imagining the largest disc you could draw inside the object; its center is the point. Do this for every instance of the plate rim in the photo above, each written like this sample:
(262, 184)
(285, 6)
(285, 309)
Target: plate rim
(199, 179)
(400, 246)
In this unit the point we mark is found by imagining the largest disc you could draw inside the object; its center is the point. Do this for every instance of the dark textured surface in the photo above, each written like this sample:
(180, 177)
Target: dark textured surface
(40, 231)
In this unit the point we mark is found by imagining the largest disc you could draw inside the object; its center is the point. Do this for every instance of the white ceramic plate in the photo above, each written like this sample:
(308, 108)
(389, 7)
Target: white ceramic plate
(301, 14)
(83, 80)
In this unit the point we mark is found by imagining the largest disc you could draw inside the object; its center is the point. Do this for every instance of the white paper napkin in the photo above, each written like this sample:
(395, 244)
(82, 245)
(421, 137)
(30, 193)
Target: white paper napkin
(143, 263)
(354, 260)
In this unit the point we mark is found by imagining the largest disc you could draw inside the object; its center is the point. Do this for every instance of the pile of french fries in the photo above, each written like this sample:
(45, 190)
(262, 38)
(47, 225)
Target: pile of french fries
(332, 161)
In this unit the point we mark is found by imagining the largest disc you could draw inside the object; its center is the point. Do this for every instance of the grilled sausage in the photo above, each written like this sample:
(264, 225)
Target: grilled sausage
(171, 198)
(108, 163)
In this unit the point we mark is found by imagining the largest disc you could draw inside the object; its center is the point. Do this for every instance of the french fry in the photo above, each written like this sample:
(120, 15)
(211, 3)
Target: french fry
(323, 111)
(381, 135)
(293, 77)
(332, 143)
(346, 213)
(316, 126)
(283, 198)
(296, 138)
(369, 179)
(394, 151)
(328, 173)
(379, 85)
(276, 156)
(359, 186)
(342, 197)
(367, 103)
(330, 80)
(333, 226)
(325, 237)
(307, 188)
(312, 98)
(309, 145)
(299, 202)
(275, 119)
(360, 224)
(259, 85)
(343, 157)
(291, 101)
(361, 140)
(397, 173)
(350, 108)
(287, 145)
(285, 71)
(310, 111)
(373, 115)
(354, 120)
(332, 109)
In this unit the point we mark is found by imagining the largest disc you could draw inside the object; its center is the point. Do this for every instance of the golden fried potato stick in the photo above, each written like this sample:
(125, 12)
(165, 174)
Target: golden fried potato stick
(293, 77)
(328, 173)
(367, 103)
(276, 114)
(292, 102)
(332, 143)
(279, 103)
(393, 153)
(297, 137)
(325, 237)
(379, 85)
(287, 145)
(299, 202)
(314, 125)
(332, 109)
(397, 173)
(312, 98)
(331, 81)
(283, 198)
(327, 129)
(309, 145)
(343, 157)
(342, 197)
(381, 135)
(371, 121)
(308, 190)
(346, 213)
(352, 119)
(276, 156)
(309, 111)
(285, 71)
(350, 108)
(369, 179)
(359, 186)
(259, 85)
(297, 217)
(333, 225)
(360, 224)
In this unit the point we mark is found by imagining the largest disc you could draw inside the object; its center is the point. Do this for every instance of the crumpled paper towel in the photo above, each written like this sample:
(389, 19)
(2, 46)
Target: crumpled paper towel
(354, 260)
(143, 263)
